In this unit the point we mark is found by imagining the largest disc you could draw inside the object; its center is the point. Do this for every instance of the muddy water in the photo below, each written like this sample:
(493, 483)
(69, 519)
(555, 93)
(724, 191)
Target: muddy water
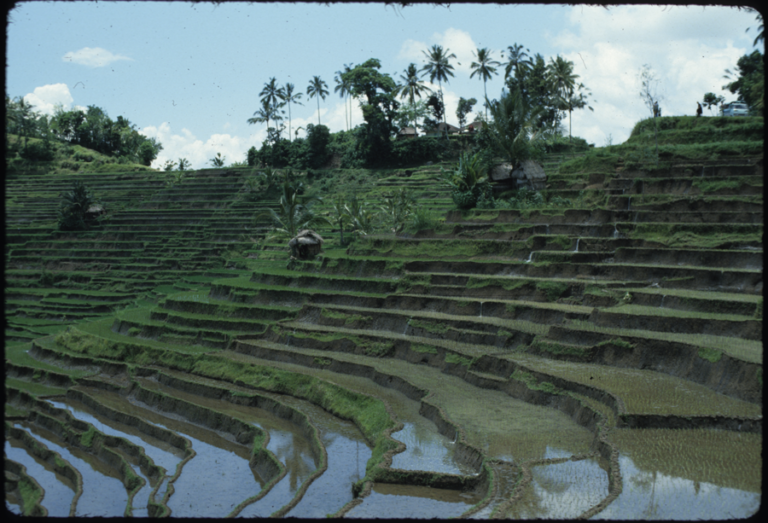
(429, 441)
(214, 481)
(103, 492)
(562, 490)
(160, 452)
(405, 501)
(59, 491)
(292, 451)
(348, 455)
(505, 478)
(696, 474)
(426, 449)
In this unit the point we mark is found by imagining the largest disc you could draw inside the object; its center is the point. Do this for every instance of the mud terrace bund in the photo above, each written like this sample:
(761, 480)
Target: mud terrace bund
(601, 361)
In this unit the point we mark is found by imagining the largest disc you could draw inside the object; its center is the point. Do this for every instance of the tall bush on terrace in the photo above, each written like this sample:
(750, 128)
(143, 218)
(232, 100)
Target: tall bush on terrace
(468, 181)
(514, 128)
(73, 208)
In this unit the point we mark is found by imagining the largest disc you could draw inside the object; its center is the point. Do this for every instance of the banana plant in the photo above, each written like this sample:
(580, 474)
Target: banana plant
(339, 216)
(397, 208)
(361, 217)
(293, 213)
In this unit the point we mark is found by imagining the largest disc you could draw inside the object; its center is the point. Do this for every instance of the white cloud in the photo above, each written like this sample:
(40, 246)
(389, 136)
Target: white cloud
(688, 49)
(44, 99)
(459, 43)
(452, 40)
(93, 57)
(199, 152)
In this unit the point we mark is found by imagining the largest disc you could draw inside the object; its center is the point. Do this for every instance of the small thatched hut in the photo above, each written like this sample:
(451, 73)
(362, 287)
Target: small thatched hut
(306, 245)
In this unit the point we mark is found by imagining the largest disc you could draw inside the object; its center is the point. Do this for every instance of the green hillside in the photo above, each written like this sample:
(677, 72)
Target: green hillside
(544, 355)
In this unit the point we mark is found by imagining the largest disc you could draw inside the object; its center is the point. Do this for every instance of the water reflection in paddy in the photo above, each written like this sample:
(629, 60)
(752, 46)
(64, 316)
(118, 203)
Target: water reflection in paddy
(654, 495)
(406, 501)
(562, 490)
(687, 474)
(348, 455)
(103, 493)
(290, 447)
(160, 452)
(59, 491)
(426, 449)
(214, 481)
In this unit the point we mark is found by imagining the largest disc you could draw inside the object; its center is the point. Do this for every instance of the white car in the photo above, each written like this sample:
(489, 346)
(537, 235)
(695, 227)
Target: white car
(736, 109)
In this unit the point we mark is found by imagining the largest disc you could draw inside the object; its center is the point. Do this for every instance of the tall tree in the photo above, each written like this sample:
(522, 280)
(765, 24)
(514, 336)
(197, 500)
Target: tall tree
(484, 68)
(377, 93)
(342, 87)
(513, 128)
(411, 86)
(270, 95)
(266, 113)
(439, 67)
(317, 89)
(563, 81)
(750, 82)
(287, 96)
(518, 62)
(463, 109)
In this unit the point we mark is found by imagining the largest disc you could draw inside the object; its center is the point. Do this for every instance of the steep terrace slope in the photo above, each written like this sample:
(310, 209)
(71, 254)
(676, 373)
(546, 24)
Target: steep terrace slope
(562, 355)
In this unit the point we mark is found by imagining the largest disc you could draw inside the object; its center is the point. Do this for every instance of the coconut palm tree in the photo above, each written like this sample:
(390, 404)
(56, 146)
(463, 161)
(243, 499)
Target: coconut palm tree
(484, 68)
(563, 81)
(518, 60)
(411, 86)
(342, 87)
(439, 67)
(271, 92)
(265, 114)
(287, 96)
(317, 89)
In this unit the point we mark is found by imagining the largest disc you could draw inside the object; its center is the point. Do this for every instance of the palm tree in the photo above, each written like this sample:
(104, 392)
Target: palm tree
(271, 92)
(265, 114)
(563, 81)
(438, 67)
(411, 86)
(288, 97)
(293, 212)
(484, 68)
(342, 87)
(517, 60)
(513, 126)
(317, 89)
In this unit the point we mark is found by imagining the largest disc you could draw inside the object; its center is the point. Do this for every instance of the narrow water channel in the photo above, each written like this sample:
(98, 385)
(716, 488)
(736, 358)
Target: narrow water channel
(348, 454)
(59, 491)
(103, 493)
(158, 451)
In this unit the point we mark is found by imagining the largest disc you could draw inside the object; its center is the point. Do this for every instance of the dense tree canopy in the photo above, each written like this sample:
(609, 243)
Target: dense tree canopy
(92, 128)
(377, 92)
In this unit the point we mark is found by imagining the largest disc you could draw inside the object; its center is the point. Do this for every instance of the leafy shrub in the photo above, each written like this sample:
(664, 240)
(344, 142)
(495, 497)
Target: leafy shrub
(72, 213)
(468, 181)
(423, 218)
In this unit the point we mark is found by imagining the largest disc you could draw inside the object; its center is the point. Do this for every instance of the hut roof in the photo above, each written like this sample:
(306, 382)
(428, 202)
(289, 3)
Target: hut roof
(306, 237)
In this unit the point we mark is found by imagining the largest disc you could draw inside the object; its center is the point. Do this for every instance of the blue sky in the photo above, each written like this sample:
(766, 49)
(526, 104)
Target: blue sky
(190, 74)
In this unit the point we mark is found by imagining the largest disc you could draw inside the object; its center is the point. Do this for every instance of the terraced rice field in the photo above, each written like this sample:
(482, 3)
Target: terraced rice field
(553, 363)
